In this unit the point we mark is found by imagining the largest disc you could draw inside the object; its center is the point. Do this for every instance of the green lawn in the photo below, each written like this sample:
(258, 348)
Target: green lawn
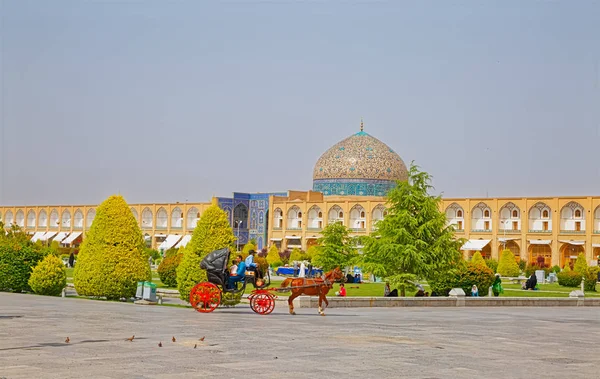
(376, 289)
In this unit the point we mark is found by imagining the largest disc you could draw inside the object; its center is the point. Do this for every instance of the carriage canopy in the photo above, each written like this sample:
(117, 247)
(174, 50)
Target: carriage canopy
(216, 260)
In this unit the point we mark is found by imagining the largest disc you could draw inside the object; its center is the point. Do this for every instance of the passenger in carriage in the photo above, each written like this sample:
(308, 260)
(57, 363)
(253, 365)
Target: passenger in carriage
(240, 274)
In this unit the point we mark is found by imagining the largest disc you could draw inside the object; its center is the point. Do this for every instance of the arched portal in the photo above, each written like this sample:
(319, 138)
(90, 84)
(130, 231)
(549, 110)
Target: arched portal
(512, 246)
(540, 254)
(569, 253)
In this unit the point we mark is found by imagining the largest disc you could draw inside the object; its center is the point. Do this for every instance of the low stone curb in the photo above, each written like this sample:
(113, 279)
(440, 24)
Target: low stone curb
(384, 302)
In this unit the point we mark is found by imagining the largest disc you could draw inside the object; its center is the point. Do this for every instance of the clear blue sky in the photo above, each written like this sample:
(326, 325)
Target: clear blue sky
(168, 101)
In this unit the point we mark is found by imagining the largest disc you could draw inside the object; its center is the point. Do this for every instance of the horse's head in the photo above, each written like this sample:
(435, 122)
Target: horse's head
(334, 275)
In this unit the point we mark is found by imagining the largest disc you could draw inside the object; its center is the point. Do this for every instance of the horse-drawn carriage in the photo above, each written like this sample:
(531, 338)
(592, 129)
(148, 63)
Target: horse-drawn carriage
(207, 296)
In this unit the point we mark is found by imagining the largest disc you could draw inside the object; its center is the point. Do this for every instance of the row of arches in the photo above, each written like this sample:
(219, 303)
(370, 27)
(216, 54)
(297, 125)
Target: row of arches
(541, 254)
(315, 217)
(44, 219)
(161, 221)
(77, 220)
(572, 217)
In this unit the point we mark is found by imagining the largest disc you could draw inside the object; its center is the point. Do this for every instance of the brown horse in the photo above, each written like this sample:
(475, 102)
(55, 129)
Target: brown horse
(312, 287)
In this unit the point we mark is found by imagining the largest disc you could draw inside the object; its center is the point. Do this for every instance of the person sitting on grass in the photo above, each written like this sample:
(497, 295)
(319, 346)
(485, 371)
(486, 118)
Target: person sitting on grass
(342, 291)
(531, 282)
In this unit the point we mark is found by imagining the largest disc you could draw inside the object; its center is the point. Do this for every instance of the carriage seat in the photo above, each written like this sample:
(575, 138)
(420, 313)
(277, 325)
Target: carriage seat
(218, 277)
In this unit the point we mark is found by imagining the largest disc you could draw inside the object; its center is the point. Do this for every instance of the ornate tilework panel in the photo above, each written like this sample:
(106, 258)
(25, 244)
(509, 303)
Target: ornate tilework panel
(351, 187)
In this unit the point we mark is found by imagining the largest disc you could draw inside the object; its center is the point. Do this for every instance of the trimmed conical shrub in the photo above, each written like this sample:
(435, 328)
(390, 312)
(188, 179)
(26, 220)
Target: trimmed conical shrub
(508, 266)
(49, 277)
(112, 259)
(212, 232)
(581, 265)
(273, 257)
(478, 259)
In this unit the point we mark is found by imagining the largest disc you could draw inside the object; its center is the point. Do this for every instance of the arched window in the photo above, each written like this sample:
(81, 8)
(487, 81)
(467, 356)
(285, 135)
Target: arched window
(20, 218)
(147, 218)
(509, 217)
(192, 218)
(78, 219)
(515, 213)
(539, 218)
(315, 217)
(161, 218)
(336, 214)
(66, 219)
(54, 219)
(278, 218)
(480, 218)
(357, 217)
(570, 218)
(8, 218)
(176, 218)
(31, 219)
(240, 216)
(43, 219)
(91, 214)
(294, 218)
(459, 213)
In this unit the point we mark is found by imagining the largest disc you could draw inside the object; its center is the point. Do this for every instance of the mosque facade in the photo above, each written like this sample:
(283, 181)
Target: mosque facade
(350, 182)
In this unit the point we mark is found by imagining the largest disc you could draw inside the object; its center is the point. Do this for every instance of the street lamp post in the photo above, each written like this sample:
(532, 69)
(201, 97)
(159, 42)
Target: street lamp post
(238, 223)
(505, 222)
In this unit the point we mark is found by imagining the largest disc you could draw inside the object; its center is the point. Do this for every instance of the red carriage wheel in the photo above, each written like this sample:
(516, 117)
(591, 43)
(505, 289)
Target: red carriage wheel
(262, 303)
(205, 297)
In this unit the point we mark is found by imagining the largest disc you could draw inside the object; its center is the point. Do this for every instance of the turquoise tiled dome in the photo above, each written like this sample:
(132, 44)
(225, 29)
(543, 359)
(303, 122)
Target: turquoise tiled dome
(358, 165)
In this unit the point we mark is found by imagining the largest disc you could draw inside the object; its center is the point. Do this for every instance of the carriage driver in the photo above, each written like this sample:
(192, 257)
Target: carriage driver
(240, 274)
(251, 265)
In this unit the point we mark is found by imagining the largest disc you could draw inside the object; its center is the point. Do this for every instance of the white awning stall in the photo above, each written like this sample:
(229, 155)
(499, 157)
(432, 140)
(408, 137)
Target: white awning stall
(37, 236)
(475, 245)
(47, 236)
(72, 237)
(60, 236)
(502, 239)
(540, 242)
(168, 243)
(184, 241)
(596, 245)
(293, 237)
(574, 243)
(276, 239)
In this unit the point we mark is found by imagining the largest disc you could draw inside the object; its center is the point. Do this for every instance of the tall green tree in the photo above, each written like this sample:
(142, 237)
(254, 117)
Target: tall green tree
(413, 241)
(112, 259)
(336, 248)
(212, 232)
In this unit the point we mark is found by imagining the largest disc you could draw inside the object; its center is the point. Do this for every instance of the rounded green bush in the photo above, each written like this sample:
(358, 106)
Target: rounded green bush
(112, 259)
(167, 270)
(17, 259)
(49, 277)
(569, 278)
(465, 276)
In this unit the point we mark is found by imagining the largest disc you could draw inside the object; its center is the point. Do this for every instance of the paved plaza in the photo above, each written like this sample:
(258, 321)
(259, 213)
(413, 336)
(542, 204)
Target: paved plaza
(354, 343)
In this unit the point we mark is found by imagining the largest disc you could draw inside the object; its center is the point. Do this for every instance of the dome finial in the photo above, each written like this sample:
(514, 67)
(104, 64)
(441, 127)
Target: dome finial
(362, 126)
